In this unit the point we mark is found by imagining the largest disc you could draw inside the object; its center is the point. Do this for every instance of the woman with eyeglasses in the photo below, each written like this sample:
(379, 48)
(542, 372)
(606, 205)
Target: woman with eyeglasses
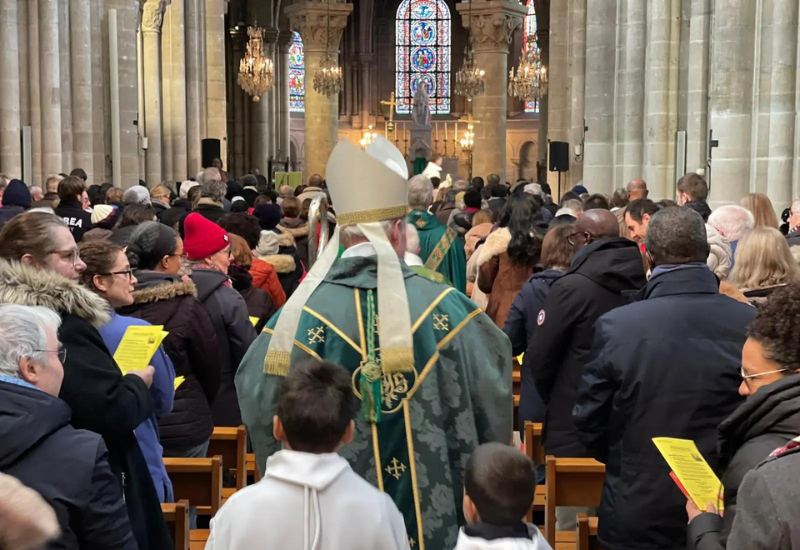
(769, 417)
(162, 297)
(41, 266)
(108, 274)
(208, 250)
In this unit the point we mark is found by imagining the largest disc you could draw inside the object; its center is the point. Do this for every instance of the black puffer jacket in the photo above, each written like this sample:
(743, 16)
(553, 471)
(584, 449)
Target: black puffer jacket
(259, 304)
(767, 420)
(162, 299)
(235, 333)
(603, 276)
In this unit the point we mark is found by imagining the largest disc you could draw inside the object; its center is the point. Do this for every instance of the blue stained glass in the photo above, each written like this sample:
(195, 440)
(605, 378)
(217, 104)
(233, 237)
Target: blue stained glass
(530, 29)
(422, 53)
(297, 74)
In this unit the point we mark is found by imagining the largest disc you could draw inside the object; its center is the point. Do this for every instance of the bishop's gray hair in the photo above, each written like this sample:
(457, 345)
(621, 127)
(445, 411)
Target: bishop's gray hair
(24, 330)
(352, 233)
(214, 190)
(420, 192)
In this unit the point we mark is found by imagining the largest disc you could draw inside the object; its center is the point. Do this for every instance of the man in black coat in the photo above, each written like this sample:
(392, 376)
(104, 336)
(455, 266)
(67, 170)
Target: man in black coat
(68, 467)
(605, 272)
(665, 366)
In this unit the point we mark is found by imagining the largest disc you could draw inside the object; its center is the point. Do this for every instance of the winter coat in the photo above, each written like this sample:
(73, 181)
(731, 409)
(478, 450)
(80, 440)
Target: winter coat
(475, 237)
(101, 398)
(298, 229)
(719, 255)
(48, 201)
(462, 222)
(162, 391)
(500, 277)
(665, 366)
(521, 323)
(78, 219)
(289, 270)
(8, 212)
(172, 217)
(766, 421)
(192, 345)
(701, 207)
(235, 333)
(443, 214)
(768, 505)
(210, 210)
(85, 495)
(266, 278)
(259, 304)
(603, 276)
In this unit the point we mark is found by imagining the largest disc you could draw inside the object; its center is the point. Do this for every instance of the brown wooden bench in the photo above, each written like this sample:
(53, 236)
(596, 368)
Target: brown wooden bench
(535, 451)
(231, 445)
(177, 517)
(570, 482)
(251, 467)
(587, 533)
(198, 480)
(198, 539)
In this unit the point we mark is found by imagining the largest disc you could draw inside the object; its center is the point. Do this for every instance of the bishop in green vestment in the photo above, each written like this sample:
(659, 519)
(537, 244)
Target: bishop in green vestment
(457, 396)
(440, 248)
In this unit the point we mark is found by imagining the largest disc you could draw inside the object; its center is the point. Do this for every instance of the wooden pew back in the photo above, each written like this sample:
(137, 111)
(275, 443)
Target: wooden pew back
(198, 480)
(587, 533)
(177, 517)
(231, 445)
(571, 482)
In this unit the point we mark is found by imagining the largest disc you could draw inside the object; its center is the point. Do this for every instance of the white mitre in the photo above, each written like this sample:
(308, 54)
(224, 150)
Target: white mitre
(366, 188)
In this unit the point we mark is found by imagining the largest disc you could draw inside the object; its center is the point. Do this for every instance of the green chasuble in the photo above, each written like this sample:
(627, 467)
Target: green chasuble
(440, 248)
(457, 397)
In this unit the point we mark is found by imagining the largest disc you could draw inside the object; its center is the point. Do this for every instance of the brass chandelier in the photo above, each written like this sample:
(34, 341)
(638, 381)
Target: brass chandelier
(256, 71)
(530, 81)
(328, 79)
(469, 78)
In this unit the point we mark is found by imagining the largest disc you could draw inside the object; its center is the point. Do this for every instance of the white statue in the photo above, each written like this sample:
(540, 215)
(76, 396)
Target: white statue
(421, 112)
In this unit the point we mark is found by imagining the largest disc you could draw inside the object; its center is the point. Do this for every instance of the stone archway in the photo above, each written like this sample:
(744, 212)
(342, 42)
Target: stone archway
(527, 161)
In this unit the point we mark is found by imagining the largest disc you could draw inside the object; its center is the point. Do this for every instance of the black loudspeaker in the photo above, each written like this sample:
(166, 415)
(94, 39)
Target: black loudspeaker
(559, 156)
(210, 149)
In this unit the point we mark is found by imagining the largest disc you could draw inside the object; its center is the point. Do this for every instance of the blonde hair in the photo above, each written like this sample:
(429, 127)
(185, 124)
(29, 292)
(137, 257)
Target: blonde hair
(763, 259)
(762, 209)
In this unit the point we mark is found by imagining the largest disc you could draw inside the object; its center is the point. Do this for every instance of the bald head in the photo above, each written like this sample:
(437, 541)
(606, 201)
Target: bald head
(637, 189)
(600, 224)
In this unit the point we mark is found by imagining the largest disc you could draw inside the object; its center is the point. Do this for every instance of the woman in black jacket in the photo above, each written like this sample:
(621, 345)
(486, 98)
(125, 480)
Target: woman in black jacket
(767, 420)
(40, 266)
(163, 298)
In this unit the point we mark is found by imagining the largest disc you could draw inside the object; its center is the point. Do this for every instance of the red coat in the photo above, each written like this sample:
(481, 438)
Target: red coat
(266, 278)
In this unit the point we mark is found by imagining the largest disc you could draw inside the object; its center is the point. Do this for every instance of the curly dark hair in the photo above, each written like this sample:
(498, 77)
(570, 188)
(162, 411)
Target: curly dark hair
(777, 327)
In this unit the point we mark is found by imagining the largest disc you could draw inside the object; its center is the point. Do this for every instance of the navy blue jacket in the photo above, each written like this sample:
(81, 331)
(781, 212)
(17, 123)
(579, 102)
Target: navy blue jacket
(520, 326)
(68, 467)
(665, 366)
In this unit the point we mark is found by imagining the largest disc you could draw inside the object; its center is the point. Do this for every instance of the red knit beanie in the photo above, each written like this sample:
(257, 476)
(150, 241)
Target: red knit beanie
(203, 238)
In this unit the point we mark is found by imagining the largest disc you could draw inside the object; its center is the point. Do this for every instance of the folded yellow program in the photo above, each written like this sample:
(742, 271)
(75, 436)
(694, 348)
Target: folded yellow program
(692, 470)
(254, 320)
(179, 380)
(137, 347)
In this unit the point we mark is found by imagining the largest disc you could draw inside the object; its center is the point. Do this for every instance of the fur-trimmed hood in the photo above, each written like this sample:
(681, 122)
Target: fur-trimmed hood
(285, 237)
(283, 263)
(496, 243)
(159, 289)
(23, 285)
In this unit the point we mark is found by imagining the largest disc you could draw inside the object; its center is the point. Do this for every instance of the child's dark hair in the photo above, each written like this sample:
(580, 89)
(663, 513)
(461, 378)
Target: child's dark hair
(315, 405)
(500, 481)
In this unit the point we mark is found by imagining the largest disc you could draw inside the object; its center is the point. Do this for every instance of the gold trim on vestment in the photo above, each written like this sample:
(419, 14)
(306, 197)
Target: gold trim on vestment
(361, 337)
(412, 459)
(373, 215)
(277, 363)
(333, 327)
(429, 309)
(377, 450)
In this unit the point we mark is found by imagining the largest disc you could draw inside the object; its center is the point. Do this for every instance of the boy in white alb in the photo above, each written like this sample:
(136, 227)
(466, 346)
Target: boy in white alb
(309, 497)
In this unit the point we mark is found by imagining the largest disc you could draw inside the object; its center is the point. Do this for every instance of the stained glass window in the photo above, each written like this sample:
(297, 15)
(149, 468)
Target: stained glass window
(297, 75)
(423, 53)
(530, 29)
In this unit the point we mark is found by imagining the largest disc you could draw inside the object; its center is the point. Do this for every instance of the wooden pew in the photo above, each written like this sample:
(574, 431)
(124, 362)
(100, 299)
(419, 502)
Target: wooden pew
(570, 482)
(177, 517)
(231, 445)
(587, 533)
(515, 389)
(535, 451)
(251, 467)
(198, 480)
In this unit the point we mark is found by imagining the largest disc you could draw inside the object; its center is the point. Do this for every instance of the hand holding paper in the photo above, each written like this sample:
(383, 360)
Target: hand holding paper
(138, 345)
(694, 473)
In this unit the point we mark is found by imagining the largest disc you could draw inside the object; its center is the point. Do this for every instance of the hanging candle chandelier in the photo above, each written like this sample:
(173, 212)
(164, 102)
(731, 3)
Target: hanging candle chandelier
(256, 71)
(530, 81)
(328, 79)
(469, 78)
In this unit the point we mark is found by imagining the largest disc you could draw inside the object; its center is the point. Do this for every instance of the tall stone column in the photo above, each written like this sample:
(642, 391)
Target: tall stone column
(194, 114)
(81, 72)
(152, 20)
(49, 79)
(577, 86)
(239, 98)
(10, 151)
(697, 84)
(312, 20)
(282, 84)
(35, 90)
(365, 62)
(217, 107)
(270, 98)
(491, 26)
(174, 63)
(65, 91)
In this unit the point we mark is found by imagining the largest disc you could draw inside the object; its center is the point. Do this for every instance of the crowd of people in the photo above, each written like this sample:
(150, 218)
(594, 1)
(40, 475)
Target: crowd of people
(374, 378)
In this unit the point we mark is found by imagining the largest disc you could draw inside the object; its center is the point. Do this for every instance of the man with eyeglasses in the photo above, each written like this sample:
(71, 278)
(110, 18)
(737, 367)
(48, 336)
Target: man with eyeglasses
(606, 271)
(667, 365)
(68, 467)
